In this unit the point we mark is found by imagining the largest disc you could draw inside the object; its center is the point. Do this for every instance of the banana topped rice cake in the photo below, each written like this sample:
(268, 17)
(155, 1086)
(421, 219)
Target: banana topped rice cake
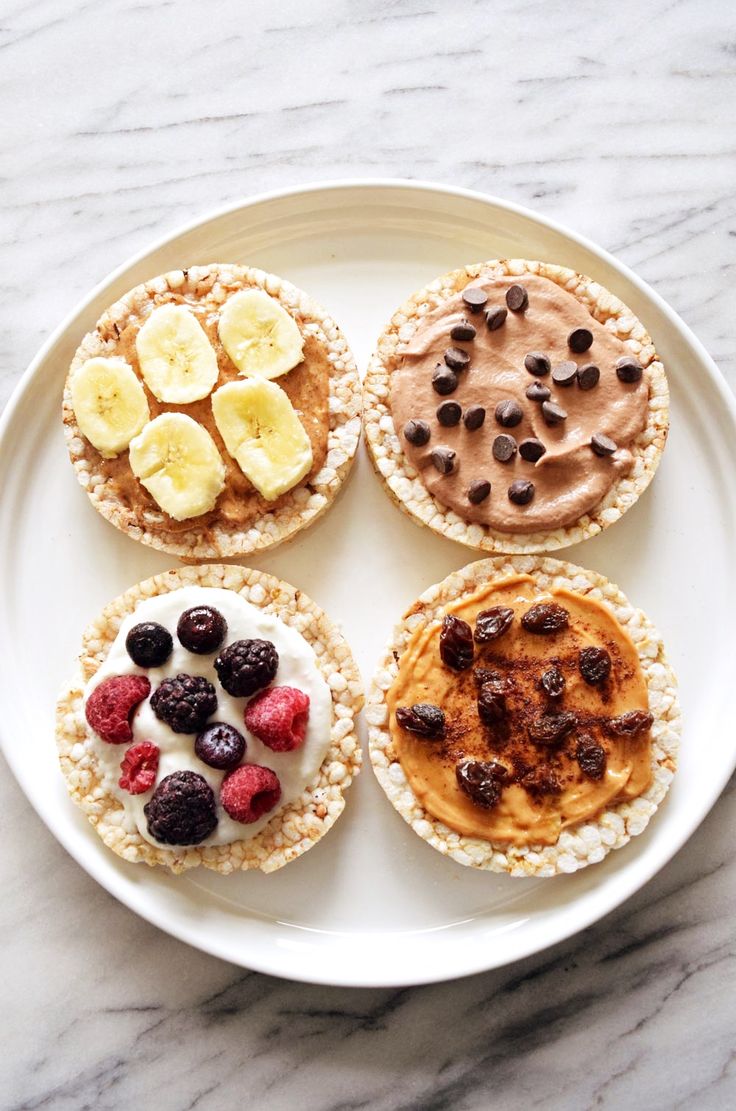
(213, 411)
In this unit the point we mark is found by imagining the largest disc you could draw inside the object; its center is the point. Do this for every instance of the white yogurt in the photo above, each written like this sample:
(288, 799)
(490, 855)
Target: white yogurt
(297, 668)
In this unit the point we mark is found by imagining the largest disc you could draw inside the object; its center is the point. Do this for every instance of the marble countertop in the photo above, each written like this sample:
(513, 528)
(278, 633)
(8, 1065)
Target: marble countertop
(123, 119)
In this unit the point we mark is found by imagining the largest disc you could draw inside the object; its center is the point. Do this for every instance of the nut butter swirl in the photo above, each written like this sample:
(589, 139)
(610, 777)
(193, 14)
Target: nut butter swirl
(570, 479)
(522, 817)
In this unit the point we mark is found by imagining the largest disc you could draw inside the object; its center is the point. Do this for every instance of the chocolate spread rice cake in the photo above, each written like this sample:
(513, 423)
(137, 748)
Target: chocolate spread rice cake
(524, 717)
(211, 721)
(212, 411)
(515, 406)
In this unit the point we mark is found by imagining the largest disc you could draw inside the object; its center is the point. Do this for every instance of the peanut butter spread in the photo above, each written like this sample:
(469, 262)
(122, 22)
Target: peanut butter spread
(571, 477)
(545, 787)
(239, 504)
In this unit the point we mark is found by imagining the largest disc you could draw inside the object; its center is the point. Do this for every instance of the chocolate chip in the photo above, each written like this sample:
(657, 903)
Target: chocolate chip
(509, 413)
(444, 380)
(602, 445)
(532, 449)
(552, 413)
(417, 432)
(537, 363)
(588, 376)
(449, 413)
(565, 373)
(478, 491)
(496, 318)
(517, 298)
(628, 370)
(443, 459)
(580, 340)
(538, 392)
(521, 491)
(474, 297)
(474, 417)
(463, 331)
(504, 448)
(456, 358)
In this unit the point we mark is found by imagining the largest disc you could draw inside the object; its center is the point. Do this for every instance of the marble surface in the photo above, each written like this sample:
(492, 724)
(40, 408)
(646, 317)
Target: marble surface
(122, 119)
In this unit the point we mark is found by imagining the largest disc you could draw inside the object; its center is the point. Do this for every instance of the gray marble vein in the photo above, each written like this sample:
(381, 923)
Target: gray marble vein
(123, 119)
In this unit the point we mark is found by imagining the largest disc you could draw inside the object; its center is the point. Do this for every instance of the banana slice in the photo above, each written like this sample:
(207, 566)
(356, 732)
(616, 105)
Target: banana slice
(177, 461)
(259, 335)
(109, 403)
(263, 433)
(177, 360)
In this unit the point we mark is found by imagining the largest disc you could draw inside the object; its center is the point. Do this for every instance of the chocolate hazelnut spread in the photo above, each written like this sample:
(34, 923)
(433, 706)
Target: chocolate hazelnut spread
(569, 478)
(307, 386)
(560, 790)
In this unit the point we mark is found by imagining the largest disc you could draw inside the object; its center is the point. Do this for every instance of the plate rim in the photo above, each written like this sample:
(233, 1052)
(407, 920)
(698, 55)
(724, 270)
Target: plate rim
(263, 960)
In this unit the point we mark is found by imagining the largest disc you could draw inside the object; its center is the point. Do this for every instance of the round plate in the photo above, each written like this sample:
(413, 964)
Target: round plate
(372, 904)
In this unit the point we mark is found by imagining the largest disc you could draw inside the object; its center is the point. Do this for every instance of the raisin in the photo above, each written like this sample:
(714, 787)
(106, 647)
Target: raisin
(481, 781)
(631, 723)
(423, 719)
(550, 729)
(553, 682)
(591, 757)
(491, 705)
(540, 781)
(492, 623)
(456, 643)
(499, 683)
(545, 618)
(595, 665)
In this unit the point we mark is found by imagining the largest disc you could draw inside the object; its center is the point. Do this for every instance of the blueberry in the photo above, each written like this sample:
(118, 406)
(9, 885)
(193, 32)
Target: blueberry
(220, 746)
(149, 644)
(201, 629)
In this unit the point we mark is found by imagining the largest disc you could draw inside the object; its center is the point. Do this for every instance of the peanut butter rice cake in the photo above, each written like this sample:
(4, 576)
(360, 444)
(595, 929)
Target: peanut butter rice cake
(211, 721)
(524, 718)
(515, 406)
(213, 411)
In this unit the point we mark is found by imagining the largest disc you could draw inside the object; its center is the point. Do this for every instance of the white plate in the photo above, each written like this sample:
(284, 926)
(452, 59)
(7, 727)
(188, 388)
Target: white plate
(371, 904)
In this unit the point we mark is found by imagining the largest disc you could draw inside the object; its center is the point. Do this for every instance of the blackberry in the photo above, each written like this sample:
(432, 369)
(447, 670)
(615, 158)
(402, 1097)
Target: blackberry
(246, 666)
(220, 746)
(149, 644)
(184, 703)
(201, 629)
(182, 810)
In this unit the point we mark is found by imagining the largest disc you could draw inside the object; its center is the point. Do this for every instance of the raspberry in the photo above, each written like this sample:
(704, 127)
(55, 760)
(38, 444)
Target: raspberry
(182, 809)
(184, 703)
(201, 629)
(279, 717)
(220, 746)
(249, 792)
(247, 665)
(111, 706)
(139, 768)
(149, 644)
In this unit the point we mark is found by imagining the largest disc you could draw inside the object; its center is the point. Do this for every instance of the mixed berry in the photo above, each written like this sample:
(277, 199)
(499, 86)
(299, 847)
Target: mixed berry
(182, 809)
